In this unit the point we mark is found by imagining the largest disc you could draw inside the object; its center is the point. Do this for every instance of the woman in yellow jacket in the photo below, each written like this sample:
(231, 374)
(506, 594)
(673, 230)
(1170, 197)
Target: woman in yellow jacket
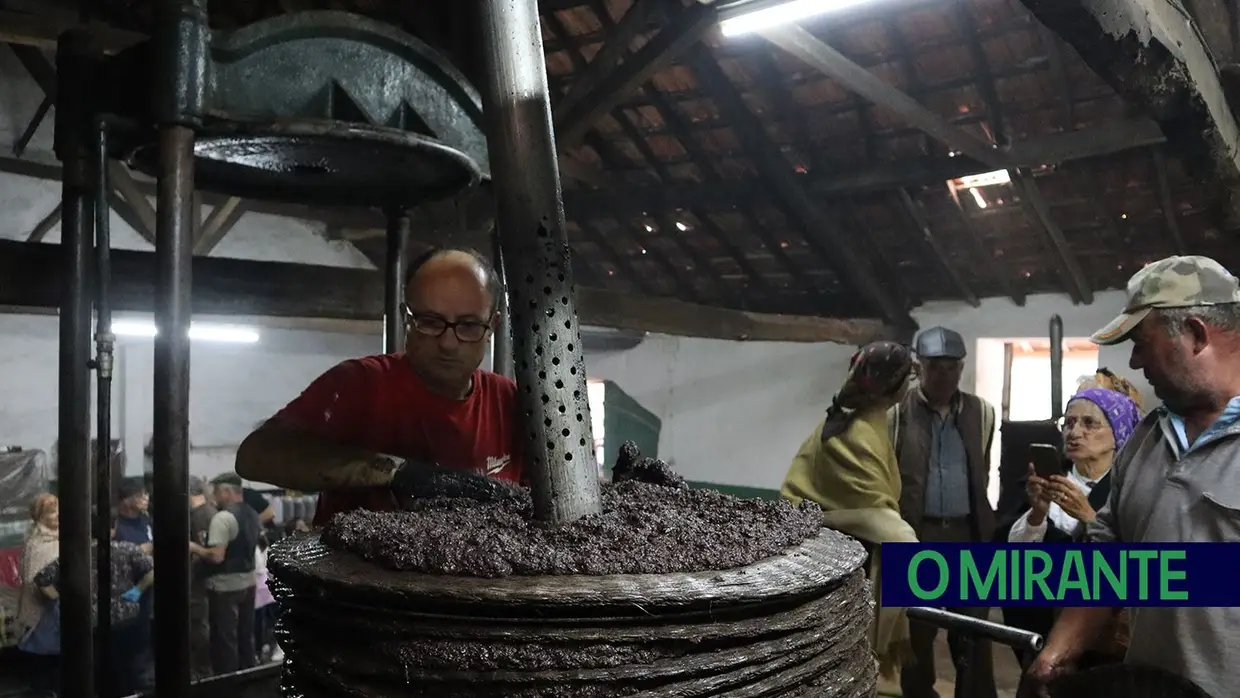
(848, 467)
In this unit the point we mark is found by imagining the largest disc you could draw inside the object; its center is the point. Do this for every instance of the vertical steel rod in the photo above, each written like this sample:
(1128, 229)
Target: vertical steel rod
(1056, 332)
(103, 399)
(73, 137)
(501, 346)
(550, 367)
(180, 54)
(394, 281)
(174, 230)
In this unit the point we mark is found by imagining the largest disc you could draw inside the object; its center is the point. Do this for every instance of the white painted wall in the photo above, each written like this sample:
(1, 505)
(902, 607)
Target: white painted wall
(736, 413)
(232, 387)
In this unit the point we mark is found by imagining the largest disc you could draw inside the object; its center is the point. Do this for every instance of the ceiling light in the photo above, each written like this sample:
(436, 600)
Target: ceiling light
(986, 179)
(681, 226)
(766, 15)
(649, 228)
(235, 334)
(977, 197)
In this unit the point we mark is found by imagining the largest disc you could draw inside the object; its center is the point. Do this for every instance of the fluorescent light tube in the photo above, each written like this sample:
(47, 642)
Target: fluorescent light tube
(785, 13)
(199, 332)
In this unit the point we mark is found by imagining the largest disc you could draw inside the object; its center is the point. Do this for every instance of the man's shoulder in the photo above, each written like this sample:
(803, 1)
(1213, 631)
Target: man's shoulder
(376, 365)
(983, 402)
(494, 386)
(224, 517)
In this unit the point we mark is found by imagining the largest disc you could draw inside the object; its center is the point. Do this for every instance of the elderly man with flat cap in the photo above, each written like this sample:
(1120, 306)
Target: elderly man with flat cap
(942, 436)
(1176, 479)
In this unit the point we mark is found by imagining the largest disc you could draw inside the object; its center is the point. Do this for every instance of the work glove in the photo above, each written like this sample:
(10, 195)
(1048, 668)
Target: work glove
(132, 595)
(415, 479)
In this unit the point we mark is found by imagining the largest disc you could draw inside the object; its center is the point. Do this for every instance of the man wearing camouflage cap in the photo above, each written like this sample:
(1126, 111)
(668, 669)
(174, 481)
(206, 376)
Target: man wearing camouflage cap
(1175, 480)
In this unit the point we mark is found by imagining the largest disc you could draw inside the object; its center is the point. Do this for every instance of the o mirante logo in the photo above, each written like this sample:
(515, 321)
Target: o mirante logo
(951, 574)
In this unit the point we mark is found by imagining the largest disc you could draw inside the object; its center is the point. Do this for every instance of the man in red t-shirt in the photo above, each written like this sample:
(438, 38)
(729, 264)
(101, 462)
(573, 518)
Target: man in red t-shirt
(370, 430)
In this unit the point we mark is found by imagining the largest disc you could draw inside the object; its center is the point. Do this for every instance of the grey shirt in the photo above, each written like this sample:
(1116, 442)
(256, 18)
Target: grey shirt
(1159, 495)
(224, 529)
(947, 477)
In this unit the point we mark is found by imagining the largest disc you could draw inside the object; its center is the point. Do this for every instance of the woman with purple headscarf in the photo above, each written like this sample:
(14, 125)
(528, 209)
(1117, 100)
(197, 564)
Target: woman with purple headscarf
(1096, 426)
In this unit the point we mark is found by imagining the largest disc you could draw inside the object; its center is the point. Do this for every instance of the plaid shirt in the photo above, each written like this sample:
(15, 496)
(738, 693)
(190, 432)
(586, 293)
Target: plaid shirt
(129, 566)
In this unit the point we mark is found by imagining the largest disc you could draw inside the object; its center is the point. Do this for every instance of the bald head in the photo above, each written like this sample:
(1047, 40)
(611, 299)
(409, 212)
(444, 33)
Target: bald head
(439, 267)
(451, 299)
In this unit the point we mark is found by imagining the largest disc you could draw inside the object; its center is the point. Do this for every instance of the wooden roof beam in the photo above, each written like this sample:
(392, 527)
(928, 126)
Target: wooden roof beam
(836, 65)
(684, 31)
(607, 153)
(1075, 282)
(1116, 137)
(619, 38)
(912, 208)
(1167, 204)
(827, 60)
(33, 274)
(1078, 288)
(775, 168)
(1155, 57)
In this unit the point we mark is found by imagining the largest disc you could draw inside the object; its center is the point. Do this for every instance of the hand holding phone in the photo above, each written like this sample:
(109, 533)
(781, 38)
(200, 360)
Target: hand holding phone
(1046, 460)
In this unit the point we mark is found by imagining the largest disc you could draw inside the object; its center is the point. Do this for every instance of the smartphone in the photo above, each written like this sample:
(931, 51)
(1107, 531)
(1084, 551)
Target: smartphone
(1046, 460)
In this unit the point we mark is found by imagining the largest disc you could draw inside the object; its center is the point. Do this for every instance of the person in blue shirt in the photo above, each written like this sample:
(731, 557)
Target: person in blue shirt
(133, 523)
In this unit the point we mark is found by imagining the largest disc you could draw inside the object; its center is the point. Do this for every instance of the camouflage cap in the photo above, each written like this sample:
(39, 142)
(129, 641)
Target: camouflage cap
(1174, 282)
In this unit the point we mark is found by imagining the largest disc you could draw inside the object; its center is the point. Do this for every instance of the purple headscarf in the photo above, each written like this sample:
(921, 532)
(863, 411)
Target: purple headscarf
(1121, 411)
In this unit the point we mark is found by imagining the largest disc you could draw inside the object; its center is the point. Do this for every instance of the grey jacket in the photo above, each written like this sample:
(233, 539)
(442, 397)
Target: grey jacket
(1160, 495)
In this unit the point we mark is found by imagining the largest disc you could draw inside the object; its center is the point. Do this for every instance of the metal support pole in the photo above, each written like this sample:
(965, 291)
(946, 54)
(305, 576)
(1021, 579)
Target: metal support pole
(180, 43)
(73, 138)
(1056, 332)
(394, 281)
(550, 367)
(174, 229)
(102, 364)
(501, 346)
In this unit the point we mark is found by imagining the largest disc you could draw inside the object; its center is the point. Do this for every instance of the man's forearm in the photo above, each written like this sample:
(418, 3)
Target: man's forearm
(300, 460)
(1075, 631)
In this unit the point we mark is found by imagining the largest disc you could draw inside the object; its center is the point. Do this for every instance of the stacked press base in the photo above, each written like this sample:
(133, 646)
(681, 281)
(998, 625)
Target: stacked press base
(670, 592)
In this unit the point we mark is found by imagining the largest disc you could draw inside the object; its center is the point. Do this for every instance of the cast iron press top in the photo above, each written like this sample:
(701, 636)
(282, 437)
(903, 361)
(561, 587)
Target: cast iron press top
(325, 162)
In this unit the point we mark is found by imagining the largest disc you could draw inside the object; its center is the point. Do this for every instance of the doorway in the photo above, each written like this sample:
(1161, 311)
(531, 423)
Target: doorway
(1026, 394)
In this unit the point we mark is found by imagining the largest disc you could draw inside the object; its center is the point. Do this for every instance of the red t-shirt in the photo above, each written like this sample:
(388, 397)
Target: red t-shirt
(377, 403)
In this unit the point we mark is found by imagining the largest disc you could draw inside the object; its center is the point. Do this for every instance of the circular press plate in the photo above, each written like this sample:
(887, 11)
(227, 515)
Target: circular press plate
(324, 163)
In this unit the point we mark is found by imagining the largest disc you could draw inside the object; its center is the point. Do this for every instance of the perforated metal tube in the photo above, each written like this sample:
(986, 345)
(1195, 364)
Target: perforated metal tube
(550, 369)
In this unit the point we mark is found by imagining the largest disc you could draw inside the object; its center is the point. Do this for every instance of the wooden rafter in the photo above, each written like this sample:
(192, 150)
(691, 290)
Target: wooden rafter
(34, 272)
(1117, 137)
(1075, 281)
(620, 36)
(1166, 203)
(684, 31)
(609, 158)
(917, 217)
(848, 264)
(817, 54)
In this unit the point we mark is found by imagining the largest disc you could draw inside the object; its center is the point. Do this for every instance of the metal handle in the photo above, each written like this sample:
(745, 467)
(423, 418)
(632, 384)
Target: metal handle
(1003, 634)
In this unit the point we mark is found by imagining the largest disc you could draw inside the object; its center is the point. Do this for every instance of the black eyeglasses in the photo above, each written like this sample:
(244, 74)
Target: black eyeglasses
(467, 331)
